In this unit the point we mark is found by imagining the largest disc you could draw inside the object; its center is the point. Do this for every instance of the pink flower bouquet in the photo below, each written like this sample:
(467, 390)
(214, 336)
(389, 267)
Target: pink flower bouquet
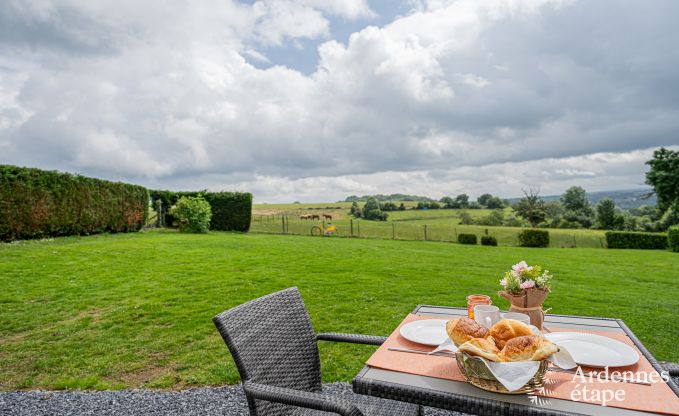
(526, 288)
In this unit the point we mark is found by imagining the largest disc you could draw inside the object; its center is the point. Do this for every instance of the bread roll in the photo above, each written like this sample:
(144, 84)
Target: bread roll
(528, 348)
(461, 330)
(481, 347)
(507, 329)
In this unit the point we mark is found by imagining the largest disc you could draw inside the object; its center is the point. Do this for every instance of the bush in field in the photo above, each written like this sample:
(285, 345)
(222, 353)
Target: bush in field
(488, 240)
(641, 241)
(466, 218)
(402, 207)
(495, 218)
(193, 214)
(673, 238)
(355, 210)
(372, 211)
(534, 238)
(388, 206)
(466, 238)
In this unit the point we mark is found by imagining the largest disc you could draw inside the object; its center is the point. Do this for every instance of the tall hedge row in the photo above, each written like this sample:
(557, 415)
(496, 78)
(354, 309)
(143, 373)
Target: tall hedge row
(641, 241)
(35, 203)
(231, 211)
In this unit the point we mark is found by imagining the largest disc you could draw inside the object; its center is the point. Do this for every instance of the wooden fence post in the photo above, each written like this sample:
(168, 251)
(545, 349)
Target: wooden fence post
(283, 223)
(425, 232)
(393, 231)
(351, 224)
(358, 225)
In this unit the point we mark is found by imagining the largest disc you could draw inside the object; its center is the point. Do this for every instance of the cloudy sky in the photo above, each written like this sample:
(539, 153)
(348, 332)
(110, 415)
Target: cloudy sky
(314, 100)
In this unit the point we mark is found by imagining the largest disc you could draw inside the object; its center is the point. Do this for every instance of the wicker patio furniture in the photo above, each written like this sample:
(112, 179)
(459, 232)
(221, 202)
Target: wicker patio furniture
(274, 346)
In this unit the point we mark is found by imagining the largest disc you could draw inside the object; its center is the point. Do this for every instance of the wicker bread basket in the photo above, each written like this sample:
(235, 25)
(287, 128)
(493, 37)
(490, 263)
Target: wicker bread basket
(478, 374)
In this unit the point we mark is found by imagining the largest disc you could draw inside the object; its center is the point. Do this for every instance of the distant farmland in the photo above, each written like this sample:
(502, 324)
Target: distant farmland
(434, 225)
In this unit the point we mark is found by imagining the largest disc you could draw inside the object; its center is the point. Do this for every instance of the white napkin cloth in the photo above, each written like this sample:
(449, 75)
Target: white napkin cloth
(514, 375)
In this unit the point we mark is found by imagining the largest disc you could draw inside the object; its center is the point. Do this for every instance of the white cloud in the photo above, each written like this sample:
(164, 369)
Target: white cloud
(454, 94)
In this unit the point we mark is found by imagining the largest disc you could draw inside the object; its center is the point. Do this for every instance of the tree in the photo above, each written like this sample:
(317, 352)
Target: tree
(575, 199)
(531, 207)
(402, 207)
(576, 207)
(448, 202)
(664, 178)
(388, 206)
(483, 199)
(494, 202)
(372, 211)
(606, 216)
(355, 210)
(462, 200)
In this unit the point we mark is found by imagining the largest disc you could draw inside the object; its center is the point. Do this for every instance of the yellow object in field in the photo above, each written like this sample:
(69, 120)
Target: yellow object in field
(331, 229)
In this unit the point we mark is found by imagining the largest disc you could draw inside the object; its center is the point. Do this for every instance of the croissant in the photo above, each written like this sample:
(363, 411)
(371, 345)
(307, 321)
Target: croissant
(507, 329)
(461, 330)
(528, 348)
(482, 347)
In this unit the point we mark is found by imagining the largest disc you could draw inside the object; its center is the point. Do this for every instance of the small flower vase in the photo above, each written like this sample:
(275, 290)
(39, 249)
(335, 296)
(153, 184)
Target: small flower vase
(528, 302)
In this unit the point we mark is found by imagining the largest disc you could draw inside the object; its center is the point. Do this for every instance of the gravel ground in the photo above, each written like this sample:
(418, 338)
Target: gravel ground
(227, 401)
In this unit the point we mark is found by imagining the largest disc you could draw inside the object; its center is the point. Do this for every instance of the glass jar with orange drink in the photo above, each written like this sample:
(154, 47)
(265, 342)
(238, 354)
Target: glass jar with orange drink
(473, 300)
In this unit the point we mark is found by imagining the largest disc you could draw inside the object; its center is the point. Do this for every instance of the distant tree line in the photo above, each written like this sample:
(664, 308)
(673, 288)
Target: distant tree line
(392, 197)
(572, 210)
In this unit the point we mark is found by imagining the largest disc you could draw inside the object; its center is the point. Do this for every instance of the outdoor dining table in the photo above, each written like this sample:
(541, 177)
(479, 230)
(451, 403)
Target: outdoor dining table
(464, 397)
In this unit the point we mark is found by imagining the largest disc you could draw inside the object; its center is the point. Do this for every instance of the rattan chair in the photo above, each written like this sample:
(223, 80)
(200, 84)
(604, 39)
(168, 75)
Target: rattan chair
(274, 347)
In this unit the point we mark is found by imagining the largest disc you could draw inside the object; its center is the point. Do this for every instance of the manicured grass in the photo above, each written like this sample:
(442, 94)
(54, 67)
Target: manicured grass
(134, 310)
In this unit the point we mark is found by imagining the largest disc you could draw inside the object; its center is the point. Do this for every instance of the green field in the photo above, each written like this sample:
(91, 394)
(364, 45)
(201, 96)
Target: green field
(440, 224)
(134, 310)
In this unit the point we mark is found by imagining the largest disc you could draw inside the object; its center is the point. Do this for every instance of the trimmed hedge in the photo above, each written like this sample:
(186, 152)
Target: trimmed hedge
(534, 238)
(488, 240)
(673, 238)
(35, 203)
(231, 211)
(641, 241)
(466, 238)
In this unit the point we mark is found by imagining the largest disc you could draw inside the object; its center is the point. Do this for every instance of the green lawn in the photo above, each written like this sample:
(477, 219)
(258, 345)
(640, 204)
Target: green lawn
(134, 310)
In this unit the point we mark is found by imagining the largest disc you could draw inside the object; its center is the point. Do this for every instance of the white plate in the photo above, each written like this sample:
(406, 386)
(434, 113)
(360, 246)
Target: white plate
(428, 331)
(594, 350)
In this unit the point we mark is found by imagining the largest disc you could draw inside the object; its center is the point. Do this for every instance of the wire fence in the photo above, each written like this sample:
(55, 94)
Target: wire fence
(444, 231)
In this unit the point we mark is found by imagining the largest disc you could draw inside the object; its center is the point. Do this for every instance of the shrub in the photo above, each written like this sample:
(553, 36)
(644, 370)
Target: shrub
(193, 214)
(35, 203)
(372, 211)
(466, 238)
(534, 238)
(642, 241)
(231, 211)
(465, 218)
(488, 240)
(673, 238)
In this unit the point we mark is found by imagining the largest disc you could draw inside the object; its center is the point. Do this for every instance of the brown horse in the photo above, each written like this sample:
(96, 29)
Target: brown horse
(305, 216)
(315, 217)
(327, 217)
